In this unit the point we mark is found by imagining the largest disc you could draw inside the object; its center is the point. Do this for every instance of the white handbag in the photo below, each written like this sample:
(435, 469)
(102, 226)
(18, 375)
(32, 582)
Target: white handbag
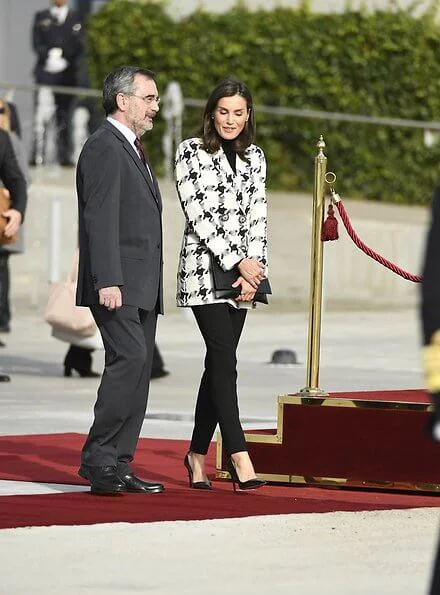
(61, 311)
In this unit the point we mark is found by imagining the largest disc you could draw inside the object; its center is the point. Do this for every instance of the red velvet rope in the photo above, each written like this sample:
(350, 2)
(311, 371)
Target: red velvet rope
(371, 253)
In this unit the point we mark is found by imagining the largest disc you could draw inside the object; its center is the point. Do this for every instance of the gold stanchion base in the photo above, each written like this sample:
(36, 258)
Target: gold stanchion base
(312, 392)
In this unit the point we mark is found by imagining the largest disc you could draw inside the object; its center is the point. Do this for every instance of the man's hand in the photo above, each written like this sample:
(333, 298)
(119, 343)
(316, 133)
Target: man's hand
(252, 270)
(14, 222)
(110, 297)
(247, 292)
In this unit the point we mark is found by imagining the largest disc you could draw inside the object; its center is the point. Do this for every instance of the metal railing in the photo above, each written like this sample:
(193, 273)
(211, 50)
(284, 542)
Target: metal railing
(172, 111)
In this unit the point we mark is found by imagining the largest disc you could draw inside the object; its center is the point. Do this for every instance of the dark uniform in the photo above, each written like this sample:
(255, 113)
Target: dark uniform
(430, 318)
(48, 33)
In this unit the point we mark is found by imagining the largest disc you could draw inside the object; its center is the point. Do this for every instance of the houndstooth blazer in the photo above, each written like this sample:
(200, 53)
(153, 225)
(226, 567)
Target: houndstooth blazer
(226, 214)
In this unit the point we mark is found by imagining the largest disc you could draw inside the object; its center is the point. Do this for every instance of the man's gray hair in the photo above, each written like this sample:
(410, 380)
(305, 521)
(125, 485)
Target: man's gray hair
(121, 81)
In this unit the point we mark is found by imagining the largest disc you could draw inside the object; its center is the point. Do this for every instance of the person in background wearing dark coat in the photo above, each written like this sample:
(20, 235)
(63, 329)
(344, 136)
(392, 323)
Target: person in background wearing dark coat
(58, 41)
(14, 181)
(17, 247)
(430, 320)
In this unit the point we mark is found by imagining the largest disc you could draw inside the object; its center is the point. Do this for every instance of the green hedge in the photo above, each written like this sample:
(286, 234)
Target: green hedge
(379, 64)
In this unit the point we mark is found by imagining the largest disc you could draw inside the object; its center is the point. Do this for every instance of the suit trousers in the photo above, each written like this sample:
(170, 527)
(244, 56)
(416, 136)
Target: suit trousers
(5, 310)
(221, 326)
(128, 336)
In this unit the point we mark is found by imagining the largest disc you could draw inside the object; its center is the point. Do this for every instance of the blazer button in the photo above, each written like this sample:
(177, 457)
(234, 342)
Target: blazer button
(224, 217)
(242, 219)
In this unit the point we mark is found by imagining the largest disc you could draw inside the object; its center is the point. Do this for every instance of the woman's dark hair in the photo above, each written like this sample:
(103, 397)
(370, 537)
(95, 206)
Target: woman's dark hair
(118, 81)
(211, 140)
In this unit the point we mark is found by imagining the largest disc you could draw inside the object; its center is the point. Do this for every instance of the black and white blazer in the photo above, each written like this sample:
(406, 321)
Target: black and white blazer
(226, 214)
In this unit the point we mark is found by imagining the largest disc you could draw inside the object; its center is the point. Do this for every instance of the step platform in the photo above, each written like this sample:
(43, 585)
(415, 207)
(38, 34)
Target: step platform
(372, 440)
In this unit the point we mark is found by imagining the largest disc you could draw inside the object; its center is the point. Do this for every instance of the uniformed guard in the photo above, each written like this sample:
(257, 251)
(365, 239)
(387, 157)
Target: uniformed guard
(430, 319)
(58, 41)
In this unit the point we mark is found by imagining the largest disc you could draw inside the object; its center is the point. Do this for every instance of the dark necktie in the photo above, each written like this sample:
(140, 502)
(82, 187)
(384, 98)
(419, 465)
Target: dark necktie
(140, 149)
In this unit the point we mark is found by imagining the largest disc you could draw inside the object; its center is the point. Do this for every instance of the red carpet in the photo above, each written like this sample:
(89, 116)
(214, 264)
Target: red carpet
(53, 458)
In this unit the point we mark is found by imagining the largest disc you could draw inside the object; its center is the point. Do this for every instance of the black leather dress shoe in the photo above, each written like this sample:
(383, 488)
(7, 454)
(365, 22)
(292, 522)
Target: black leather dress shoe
(5, 378)
(103, 480)
(134, 484)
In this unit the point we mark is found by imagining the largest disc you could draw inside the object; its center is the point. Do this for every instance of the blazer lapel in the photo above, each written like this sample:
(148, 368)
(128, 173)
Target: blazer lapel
(152, 184)
(242, 183)
(141, 167)
(239, 180)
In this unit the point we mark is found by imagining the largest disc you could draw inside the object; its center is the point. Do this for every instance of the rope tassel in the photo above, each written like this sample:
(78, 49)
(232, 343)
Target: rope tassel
(330, 226)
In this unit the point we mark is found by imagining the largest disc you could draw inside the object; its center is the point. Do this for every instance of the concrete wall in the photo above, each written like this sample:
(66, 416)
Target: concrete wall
(16, 55)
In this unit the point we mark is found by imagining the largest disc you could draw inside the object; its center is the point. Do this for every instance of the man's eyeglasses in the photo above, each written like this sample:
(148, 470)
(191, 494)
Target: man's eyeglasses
(148, 99)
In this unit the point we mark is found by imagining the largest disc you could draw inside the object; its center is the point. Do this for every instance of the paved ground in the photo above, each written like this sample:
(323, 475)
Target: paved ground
(339, 553)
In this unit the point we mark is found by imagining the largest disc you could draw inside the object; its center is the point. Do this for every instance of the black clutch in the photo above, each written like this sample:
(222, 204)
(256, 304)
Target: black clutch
(223, 281)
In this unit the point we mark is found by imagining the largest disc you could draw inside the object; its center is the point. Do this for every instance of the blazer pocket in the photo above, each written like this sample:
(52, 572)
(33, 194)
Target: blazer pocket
(133, 252)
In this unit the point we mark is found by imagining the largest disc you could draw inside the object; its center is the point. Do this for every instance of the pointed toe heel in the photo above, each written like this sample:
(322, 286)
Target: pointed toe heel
(250, 484)
(195, 485)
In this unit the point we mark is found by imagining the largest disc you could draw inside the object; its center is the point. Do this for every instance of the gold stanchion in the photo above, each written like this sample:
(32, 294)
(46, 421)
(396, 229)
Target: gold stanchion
(314, 339)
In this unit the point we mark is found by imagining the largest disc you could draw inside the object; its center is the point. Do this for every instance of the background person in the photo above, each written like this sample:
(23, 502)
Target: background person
(120, 274)
(221, 186)
(18, 246)
(14, 181)
(430, 319)
(57, 39)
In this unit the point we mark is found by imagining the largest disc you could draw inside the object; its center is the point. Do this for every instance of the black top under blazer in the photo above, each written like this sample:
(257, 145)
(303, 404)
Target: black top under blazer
(120, 228)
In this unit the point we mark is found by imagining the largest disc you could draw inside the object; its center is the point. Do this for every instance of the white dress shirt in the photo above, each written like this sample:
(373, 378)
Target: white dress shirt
(59, 13)
(129, 135)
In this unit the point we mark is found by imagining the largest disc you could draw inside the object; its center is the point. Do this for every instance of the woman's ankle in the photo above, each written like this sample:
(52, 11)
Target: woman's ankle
(243, 464)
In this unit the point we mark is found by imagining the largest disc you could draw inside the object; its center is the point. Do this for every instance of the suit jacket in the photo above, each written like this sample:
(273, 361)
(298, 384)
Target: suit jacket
(47, 34)
(120, 227)
(11, 175)
(430, 286)
(226, 214)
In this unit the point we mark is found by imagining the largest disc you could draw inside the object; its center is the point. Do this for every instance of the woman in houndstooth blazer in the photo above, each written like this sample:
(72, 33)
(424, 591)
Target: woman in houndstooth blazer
(220, 178)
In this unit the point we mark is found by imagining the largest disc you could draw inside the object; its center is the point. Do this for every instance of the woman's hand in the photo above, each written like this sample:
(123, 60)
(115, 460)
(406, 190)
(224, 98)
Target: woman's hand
(14, 221)
(247, 292)
(252, 271)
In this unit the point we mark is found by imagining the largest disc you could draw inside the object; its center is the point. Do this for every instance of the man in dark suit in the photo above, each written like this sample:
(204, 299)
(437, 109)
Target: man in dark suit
(120, 273)
(430, 318)
(58, 41)
(14, 181)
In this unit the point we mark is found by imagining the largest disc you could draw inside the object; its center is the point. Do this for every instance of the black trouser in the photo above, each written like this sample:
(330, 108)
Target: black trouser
(128, 336)
(158, 363)
(5, 310)
(221, 326)
(64, 106)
